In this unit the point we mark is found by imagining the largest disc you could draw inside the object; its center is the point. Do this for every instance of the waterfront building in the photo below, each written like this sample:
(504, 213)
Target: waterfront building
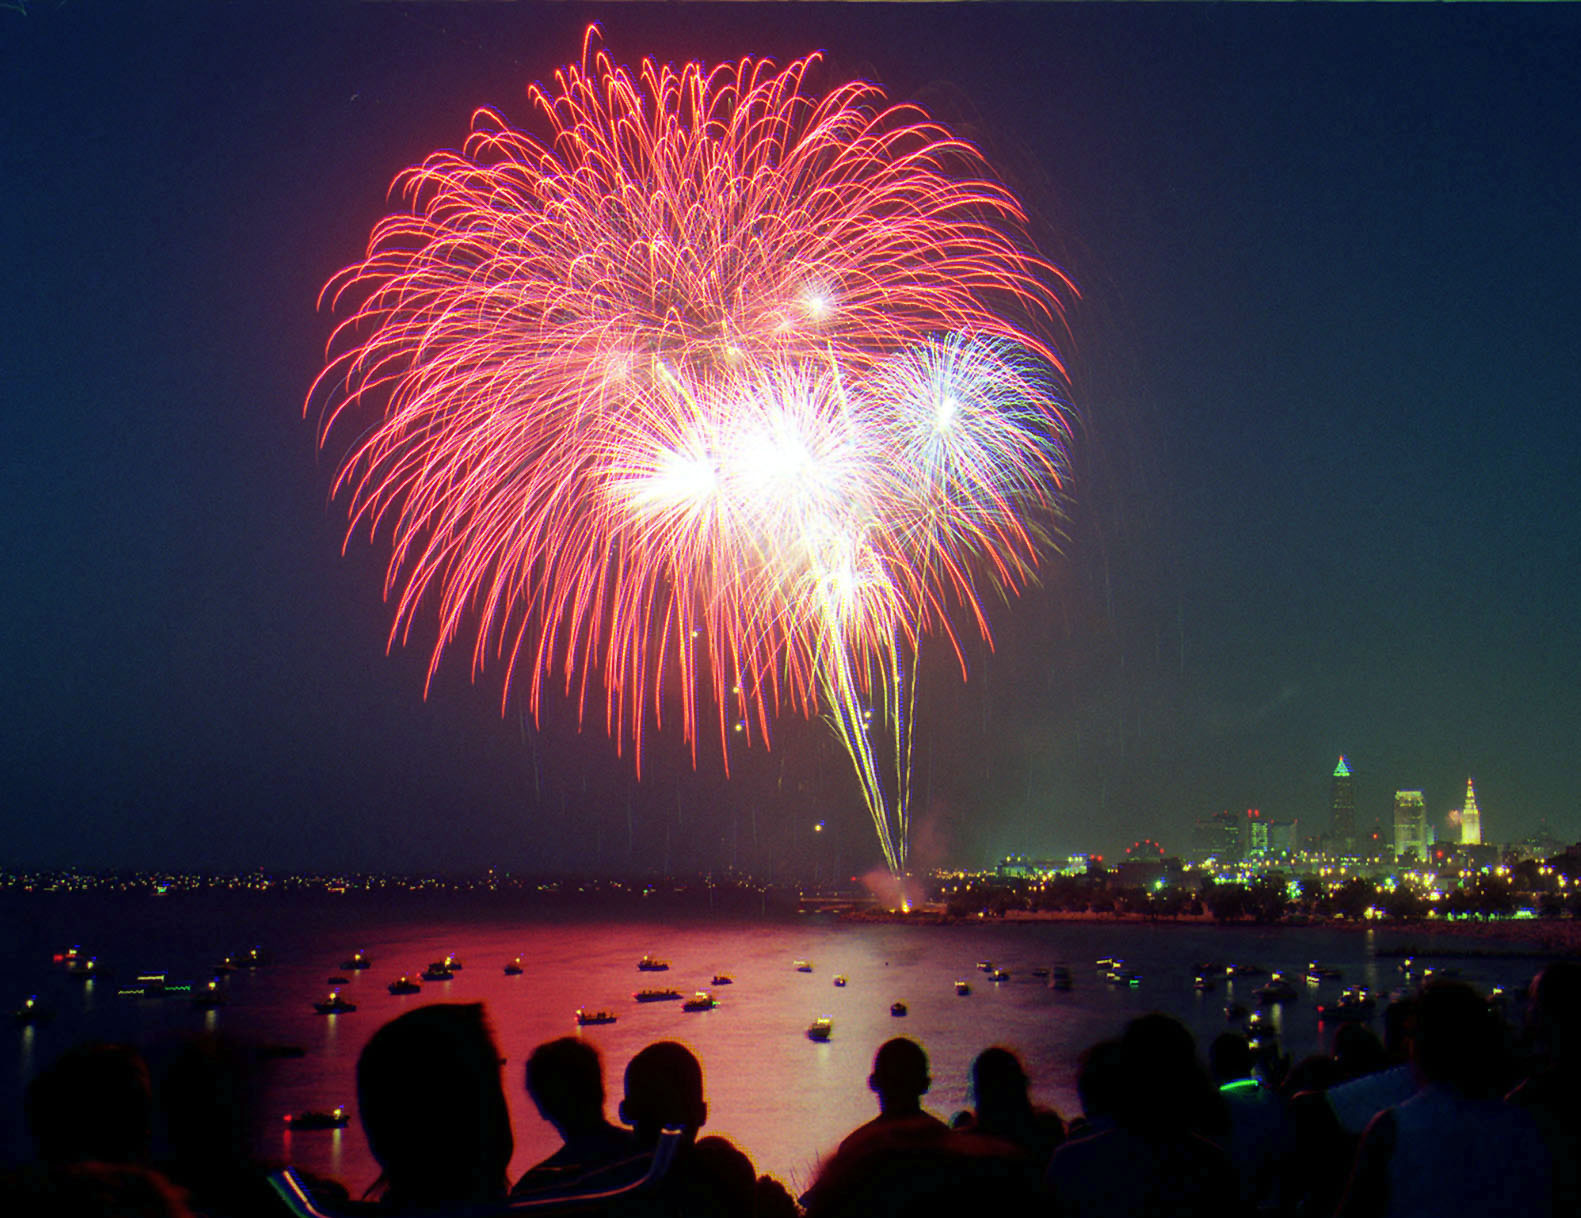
(1470, 818)
(1410, 826)
(1342, 811)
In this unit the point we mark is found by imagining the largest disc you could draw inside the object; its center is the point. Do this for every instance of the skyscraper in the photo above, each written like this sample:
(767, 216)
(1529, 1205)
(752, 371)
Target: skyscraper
(1410, 825)
(1342, 809)
(1470, 819)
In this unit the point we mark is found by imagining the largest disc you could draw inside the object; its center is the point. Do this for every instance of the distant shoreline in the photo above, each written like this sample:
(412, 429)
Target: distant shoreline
(1534, 937)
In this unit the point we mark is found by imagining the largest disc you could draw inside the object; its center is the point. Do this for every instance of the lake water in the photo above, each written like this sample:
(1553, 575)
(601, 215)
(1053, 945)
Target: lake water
(781, 1097)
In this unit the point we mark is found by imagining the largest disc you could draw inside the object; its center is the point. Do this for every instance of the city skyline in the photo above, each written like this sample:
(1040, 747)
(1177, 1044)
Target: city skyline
(1323, 463)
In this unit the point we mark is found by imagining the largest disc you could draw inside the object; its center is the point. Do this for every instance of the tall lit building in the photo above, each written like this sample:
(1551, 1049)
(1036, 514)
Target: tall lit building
(1256, 834)
(1470, 819)
(1410, 825)
(1220, 837)
(1342, 809)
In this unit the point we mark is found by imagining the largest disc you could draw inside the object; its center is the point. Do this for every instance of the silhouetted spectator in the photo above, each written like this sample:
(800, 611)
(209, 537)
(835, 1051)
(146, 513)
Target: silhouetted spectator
(1358, 1051)
(1005, 1109)
(1255, 1133)
(1549, 1093)
(1355, 1103)
(433, 1108)
(1099, 1084)
(900, 1079)
(889, 1164)
(95, 1102)
(566, 1081)
(1151, 1164)
(1327, 1115)
(1405, 1164)
(710, 1177)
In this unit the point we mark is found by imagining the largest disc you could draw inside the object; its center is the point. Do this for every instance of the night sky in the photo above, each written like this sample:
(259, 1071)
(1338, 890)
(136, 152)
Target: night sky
(1325, 365)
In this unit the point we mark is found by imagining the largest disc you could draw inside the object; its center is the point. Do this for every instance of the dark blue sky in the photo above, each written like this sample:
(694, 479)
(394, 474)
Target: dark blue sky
(1326, 363)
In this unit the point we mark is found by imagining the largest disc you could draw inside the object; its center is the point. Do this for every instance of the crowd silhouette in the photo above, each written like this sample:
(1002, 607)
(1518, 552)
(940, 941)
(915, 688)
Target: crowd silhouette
(1455, 1109)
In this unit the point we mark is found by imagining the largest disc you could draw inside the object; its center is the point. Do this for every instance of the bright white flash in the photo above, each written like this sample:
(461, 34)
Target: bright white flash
(678, 478)
(817, 304)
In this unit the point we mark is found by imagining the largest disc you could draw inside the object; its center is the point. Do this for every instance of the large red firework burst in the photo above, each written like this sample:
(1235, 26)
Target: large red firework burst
(641, 395)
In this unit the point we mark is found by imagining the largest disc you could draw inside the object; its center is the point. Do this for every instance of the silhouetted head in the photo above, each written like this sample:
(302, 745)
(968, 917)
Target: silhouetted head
(1230, 1057)
(1100, 1079)
(1399, 1025)
(1165, 1086)
(1358, 1051)
(999, 1085)
(429, 1094)
(209, 1098)
(566, 1081)
(900, 1075)
(664, 1087)
(95, 1102)
(1457, 1040)
(1554, 1013)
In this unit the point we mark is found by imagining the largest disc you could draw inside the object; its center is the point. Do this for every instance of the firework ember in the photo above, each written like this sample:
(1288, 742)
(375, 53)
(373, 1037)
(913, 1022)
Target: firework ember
(720, 377)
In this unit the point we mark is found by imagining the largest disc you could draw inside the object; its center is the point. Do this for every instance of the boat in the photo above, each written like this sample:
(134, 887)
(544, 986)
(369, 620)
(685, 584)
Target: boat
(1244, 970)
(334, 1005)
(657, 995)
(723, 979)
(802, 966)
(897, 1009)
(209, 996)
(1122, 976)
(335, 1118)
(999, 974)
(255, 957)
(585, 1018)
(153, 985)
(1354, 1003)
(337, 980)
(1041, 972)
(514, 968)
(405, 985)
(820, 1029)
(700, 1001)
(649, 964)
(78, 965)
(1323, 971)
(1276, 989)
(1202, 983)
(453, 964)
(437, 971)
(985, 966)
(227, 965)
(839, 981)
(358, 960)
(1060, 977)
(32, 1012)
(963, 988)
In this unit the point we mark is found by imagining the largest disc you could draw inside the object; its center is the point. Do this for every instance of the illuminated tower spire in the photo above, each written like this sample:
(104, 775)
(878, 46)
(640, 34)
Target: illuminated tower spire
(1470, 819)
(1342, 807)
